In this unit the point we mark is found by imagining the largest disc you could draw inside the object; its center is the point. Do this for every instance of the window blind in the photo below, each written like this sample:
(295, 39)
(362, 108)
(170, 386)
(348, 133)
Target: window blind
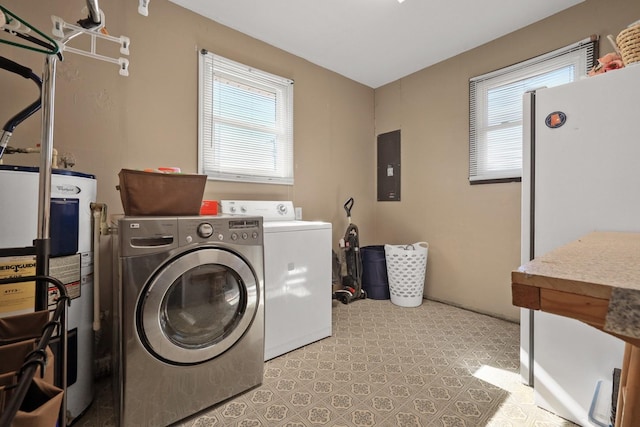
(245, 121)
(495, 108)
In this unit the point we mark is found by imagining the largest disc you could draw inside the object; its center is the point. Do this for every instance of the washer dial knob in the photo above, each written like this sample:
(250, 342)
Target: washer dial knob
(205, 230)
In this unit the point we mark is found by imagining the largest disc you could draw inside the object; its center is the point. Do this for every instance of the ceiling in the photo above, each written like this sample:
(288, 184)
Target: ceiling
(375, 42)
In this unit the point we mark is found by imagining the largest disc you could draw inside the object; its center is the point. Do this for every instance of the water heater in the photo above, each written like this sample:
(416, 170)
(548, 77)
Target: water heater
(71, 260)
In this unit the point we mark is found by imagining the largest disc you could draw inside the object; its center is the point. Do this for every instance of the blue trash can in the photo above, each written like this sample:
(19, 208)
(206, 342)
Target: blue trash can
(374, 272)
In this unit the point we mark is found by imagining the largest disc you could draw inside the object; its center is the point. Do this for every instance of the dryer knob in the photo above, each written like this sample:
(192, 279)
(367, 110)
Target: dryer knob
(205, 230)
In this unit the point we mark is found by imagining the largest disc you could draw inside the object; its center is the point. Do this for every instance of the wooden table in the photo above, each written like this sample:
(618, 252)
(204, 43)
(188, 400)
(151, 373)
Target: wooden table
(596, 280)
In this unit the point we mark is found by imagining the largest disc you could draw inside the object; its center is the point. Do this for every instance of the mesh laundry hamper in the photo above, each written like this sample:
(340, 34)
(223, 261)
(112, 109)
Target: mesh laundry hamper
(406, 268)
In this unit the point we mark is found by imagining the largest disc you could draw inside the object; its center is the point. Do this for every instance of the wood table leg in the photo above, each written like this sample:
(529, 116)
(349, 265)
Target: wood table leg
(622, 384)
(628, 409)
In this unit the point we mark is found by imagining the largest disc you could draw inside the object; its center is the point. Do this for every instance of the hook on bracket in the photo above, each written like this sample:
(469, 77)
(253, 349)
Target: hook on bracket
(143, 7)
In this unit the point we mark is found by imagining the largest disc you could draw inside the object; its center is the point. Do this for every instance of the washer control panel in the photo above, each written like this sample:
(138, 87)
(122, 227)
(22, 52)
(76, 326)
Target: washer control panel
(147, 235)
(203, 229)
(270, 210)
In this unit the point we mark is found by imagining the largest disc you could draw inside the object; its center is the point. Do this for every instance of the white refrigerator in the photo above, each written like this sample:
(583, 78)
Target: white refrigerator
(581, 173)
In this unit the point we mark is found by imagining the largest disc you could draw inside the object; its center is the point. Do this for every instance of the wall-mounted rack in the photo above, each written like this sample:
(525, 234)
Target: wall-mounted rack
(65, 32)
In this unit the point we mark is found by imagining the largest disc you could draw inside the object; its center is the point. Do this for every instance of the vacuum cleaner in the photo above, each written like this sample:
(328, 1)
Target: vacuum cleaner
(351, 278)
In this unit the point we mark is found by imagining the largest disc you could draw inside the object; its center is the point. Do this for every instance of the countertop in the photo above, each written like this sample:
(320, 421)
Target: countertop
(596, 279)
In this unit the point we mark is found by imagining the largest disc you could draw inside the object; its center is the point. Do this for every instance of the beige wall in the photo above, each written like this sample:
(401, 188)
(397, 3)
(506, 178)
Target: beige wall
(473, 231)
(149, 119)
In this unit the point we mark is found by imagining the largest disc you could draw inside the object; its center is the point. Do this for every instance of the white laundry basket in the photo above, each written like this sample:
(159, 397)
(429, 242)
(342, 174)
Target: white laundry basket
(406, 268)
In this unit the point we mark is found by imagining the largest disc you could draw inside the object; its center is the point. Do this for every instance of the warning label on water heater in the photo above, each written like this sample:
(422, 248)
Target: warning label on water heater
(67, 270)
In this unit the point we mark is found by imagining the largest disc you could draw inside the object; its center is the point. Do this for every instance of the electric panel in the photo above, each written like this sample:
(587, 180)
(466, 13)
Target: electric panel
(389, 166)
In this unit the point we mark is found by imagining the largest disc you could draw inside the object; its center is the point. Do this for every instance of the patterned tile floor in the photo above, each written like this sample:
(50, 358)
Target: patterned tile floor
(433, 365)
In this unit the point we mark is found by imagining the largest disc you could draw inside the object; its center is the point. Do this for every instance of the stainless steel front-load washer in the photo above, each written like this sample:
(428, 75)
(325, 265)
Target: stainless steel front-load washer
(188, 314)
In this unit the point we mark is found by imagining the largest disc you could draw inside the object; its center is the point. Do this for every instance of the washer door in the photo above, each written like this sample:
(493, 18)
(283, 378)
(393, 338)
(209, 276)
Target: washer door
(197, 306)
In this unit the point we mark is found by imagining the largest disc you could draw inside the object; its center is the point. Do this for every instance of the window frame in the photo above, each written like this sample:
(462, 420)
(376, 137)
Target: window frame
(580, 55)
(212, 68)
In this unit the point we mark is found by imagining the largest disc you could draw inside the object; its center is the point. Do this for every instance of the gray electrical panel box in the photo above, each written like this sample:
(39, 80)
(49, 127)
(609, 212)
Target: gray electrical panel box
(389, 166)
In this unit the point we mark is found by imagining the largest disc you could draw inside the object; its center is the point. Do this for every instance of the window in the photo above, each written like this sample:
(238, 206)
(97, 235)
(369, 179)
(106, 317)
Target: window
(245, 123)
(495, 108)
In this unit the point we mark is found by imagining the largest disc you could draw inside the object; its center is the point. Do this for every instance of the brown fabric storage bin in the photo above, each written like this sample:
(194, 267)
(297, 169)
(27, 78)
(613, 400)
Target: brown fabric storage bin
(22, 326)
(40, 407)
(158, 194)
(13, 357)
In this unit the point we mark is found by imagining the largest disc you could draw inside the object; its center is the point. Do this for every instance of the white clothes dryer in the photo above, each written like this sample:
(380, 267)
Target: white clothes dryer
(189, 315)
(297, 275)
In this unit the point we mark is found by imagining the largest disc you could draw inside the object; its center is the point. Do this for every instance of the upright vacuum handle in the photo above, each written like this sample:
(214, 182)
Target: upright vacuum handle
(348, 205)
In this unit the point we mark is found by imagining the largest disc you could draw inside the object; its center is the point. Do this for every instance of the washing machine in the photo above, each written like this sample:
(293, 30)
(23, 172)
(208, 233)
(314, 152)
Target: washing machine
(298, 274)
(189, 314)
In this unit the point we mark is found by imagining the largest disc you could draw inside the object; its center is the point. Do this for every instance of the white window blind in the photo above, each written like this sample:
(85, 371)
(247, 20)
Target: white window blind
(495, 108)
(245, 122)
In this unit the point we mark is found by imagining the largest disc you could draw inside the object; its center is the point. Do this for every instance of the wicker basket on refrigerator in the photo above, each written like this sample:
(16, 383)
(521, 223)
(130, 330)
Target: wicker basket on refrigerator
(628, 42)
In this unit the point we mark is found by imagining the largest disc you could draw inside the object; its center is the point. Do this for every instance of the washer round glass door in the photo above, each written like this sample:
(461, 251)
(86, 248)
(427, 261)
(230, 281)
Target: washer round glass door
(197, 306)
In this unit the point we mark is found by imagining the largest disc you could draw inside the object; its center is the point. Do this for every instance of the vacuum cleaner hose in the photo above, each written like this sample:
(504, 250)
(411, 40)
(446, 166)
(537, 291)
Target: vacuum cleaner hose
(27, 73)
